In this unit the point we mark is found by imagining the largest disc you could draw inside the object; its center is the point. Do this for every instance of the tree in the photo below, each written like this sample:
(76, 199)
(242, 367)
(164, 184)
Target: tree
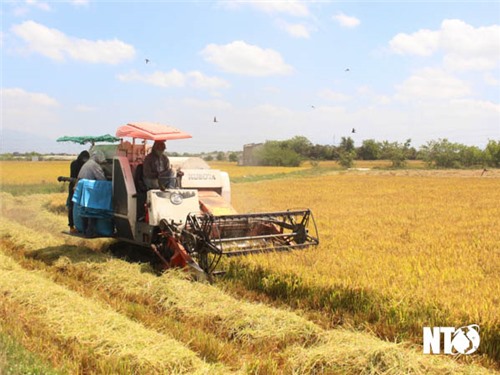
(470, 156)
(369, 150)
(492, 154)
(346, 158)
(221, 156)
(233, 157)
(346, 144)
(396, 152)
(445, 154)
(301, 145)
(277, 153)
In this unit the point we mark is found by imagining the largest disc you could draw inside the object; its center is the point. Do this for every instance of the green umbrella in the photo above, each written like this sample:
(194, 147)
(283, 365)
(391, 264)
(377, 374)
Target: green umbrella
(88, 139)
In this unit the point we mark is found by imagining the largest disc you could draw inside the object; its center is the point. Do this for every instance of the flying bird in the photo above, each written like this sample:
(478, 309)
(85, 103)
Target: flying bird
(347, 70)
(313, 107)
(353, 130)
(215, 119)
(147, 60)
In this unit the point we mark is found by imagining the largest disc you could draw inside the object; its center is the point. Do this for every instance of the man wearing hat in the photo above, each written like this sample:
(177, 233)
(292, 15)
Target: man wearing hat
(157, 171)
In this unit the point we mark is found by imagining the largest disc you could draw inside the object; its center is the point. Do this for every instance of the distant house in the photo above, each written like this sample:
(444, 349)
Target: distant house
(249, 154)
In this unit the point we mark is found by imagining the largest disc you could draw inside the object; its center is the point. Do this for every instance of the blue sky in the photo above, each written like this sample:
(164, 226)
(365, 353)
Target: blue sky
(268, 70)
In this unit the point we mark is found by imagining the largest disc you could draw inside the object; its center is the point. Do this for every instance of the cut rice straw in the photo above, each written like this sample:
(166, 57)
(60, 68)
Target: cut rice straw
(111, 337)
(346, 352)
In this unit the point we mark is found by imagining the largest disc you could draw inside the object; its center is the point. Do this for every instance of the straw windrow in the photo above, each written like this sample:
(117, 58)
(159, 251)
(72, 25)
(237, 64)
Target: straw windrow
(302, 346)
(346, 352)
(249, 323)
(70, 318)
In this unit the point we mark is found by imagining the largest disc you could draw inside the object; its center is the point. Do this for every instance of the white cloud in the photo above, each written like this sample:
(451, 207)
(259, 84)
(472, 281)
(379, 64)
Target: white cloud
(432, 84)
(85, 108)
(33, 112)
(175, 78)
(242, 58)
(213, 104)
(346, 21)
(39, 5)
(274, 111)
(464, 46)
(478, 106)
(421, 43)
(333, 96)
(79, 3)
(55, 45)
(17, 96)
(491, 79)
(291, 7)
(296, 30)
(199, 80)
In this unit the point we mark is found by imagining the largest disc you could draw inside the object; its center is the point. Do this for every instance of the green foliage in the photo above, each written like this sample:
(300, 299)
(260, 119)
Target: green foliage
(347, 144)
(276, 153)
(492, 154)
(301, 145)
(28, 189)
(396, 152)
(15, 359)
(370, 150)
(233, 157)
(346, 158)
(221, 156)
(446, 154)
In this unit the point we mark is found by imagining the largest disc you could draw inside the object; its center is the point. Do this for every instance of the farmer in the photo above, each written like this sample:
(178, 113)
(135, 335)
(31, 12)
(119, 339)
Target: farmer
(92, 170)
(74, 168)
(157, 170)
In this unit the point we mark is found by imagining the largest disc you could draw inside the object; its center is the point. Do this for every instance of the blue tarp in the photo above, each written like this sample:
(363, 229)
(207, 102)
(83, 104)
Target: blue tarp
(94, 199)
(95, 196)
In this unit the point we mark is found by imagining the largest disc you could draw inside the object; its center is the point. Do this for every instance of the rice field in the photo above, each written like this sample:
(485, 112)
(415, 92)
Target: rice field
(399, 250)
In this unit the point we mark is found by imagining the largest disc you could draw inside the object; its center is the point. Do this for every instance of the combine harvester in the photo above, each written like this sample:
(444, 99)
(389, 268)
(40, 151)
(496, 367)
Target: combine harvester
(194, 224)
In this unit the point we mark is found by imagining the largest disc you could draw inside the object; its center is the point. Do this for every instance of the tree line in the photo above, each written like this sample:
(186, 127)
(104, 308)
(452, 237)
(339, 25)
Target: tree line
(440, 154)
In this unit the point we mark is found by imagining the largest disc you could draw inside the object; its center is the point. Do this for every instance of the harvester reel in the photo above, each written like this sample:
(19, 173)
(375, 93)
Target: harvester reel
(197, 240)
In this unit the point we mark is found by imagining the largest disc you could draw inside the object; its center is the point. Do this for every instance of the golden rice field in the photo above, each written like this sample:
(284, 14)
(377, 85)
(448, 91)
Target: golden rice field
(398, 250)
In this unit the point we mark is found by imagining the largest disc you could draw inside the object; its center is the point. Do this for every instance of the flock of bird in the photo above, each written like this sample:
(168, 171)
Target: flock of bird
(312, 106)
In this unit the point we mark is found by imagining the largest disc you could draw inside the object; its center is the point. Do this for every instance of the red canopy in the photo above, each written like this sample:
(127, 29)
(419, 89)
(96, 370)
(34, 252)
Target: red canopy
(150, 130)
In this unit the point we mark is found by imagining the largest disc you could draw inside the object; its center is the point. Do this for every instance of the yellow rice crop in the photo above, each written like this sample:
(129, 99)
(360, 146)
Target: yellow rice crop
(70, 318)
(432, 239)
(32, 172)
(419, 239)
(235, 170)
(250, 323)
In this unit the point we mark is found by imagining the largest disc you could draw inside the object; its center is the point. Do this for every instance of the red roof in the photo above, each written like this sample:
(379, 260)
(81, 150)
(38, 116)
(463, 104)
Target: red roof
(150, 130)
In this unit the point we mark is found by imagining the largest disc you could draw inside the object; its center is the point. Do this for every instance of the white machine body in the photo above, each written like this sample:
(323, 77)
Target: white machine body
(173, 205)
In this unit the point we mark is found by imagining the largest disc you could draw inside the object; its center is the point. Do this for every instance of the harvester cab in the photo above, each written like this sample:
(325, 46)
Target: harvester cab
(194, 224)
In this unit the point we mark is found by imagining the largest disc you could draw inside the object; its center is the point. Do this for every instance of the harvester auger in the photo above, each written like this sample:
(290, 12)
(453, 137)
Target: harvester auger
(194, 224)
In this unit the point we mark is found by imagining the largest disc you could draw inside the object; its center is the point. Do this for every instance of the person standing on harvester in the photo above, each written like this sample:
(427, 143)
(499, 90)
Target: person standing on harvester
(75, 167)
(92, 170)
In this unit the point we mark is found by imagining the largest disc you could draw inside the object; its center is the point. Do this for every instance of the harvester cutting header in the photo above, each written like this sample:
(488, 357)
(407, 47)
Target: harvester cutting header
(188, 220)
